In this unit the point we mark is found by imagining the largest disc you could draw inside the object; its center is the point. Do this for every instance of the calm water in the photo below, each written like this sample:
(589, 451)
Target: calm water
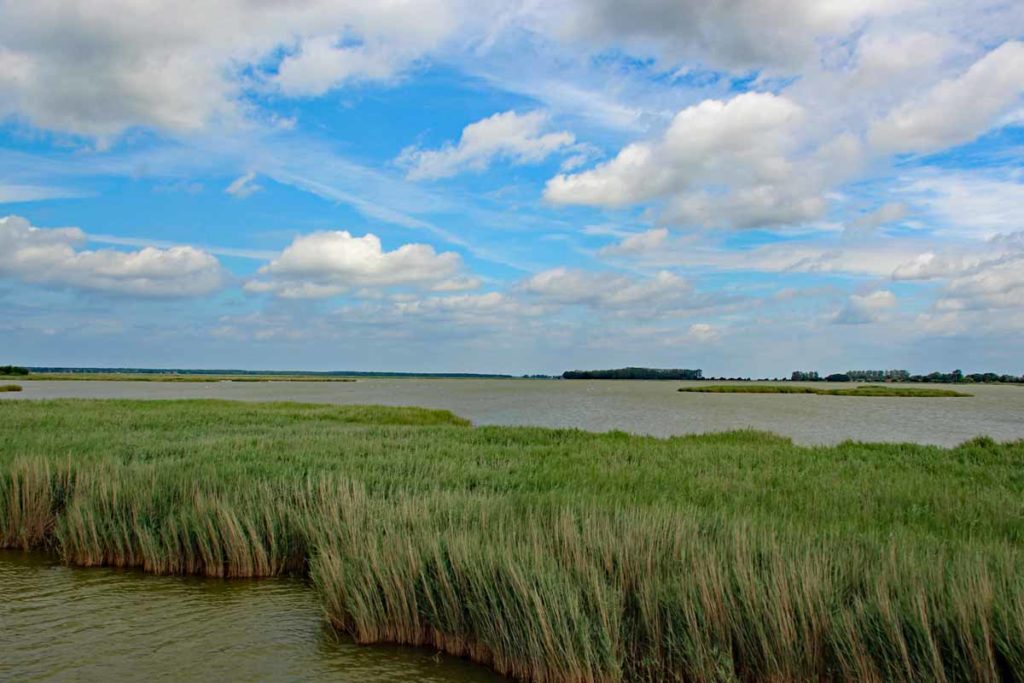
(641, 407)
(61, 624)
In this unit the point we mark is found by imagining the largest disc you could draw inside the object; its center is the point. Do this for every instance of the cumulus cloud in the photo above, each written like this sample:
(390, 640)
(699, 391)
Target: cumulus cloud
(324, 264)
(52, 256)
(731, 163)
(956, 110)
(95, 68)
(518, 138)
(744, 34)
(861, 309)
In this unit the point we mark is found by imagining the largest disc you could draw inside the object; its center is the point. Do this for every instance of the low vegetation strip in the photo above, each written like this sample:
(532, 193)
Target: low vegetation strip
(551, 555)
(171, 377)
(866, 390)
(10, 387)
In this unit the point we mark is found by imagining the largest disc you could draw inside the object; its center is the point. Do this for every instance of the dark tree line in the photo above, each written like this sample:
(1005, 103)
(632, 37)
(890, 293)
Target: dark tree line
(633, 373)
(13, 370)
(955, 377)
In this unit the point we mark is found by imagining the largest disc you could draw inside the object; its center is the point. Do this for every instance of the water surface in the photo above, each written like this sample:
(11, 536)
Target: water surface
(654, 408)
(74, 624)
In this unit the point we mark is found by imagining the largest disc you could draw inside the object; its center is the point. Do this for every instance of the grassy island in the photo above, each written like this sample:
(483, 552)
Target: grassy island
(865, 390)
(10, 387)
(551, 555)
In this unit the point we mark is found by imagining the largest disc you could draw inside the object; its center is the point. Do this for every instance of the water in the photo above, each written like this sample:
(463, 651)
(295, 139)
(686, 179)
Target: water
(641, 407)
(83, 625)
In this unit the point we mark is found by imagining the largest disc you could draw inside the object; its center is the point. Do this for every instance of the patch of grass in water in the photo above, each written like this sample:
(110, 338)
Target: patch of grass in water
(10, 387)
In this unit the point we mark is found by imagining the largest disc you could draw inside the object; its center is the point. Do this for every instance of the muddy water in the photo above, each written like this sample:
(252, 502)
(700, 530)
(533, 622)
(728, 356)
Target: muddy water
(72, 624)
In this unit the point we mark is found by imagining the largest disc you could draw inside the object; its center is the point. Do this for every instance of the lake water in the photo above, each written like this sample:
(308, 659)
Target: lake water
(654, 408)
(85, 625)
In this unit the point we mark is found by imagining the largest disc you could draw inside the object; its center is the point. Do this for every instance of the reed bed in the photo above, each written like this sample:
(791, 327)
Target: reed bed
(863, 390)
(177, 377)
(10, 387)
(551, 555)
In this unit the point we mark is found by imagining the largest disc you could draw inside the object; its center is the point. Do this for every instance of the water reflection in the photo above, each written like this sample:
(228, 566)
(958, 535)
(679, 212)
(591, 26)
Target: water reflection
(71, 624)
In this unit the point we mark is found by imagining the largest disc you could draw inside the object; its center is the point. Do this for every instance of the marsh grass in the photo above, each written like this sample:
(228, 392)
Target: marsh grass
(864, 390)
(172, 377)
(10, 387)
(551, 555)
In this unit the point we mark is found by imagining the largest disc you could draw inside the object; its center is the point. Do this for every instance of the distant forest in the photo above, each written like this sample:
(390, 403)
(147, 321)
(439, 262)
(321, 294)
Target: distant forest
(633, 373)
(955, 377)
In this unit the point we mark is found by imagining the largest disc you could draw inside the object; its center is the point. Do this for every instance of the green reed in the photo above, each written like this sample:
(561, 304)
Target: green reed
(551, 555)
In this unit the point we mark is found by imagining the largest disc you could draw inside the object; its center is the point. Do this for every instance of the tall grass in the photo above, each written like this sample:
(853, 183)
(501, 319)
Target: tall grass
(551, 555)
(10, 387)
(863, 390)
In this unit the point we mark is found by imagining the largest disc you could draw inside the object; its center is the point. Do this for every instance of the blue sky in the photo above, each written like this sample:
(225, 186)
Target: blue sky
(437, 185)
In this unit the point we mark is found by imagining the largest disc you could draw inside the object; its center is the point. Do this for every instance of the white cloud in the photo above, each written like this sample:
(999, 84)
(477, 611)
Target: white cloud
(744, 34)
(890, 212)
(324, 264)
(638, 244)
(901, 56)
(662, 294)
(996, 282)
(243, 186)
(518, 138)
(11, 193)
(491, 308)
(861, 309)
(703, 333)
(98, 67)
(320, 65)
(53, 257)
(956, 110)
(732, 163)
(969, 203)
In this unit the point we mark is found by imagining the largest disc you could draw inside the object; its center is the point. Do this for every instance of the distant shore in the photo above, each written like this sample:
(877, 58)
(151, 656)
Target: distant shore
(863, 390)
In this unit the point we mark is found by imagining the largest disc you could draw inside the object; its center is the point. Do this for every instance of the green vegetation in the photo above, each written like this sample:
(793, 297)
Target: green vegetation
(171, 377)
(955, 377)
(13, 370)
(633, 373)
(866, 390)
(291, 375)
(10, 387)
(551, 555)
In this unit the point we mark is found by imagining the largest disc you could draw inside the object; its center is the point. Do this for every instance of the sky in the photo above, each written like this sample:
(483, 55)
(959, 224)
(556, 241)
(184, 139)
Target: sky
(747, 186)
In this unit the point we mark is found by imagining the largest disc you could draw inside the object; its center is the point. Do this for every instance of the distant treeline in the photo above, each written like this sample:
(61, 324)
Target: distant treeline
(633, 373)
(13, 370)
(955, 377)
